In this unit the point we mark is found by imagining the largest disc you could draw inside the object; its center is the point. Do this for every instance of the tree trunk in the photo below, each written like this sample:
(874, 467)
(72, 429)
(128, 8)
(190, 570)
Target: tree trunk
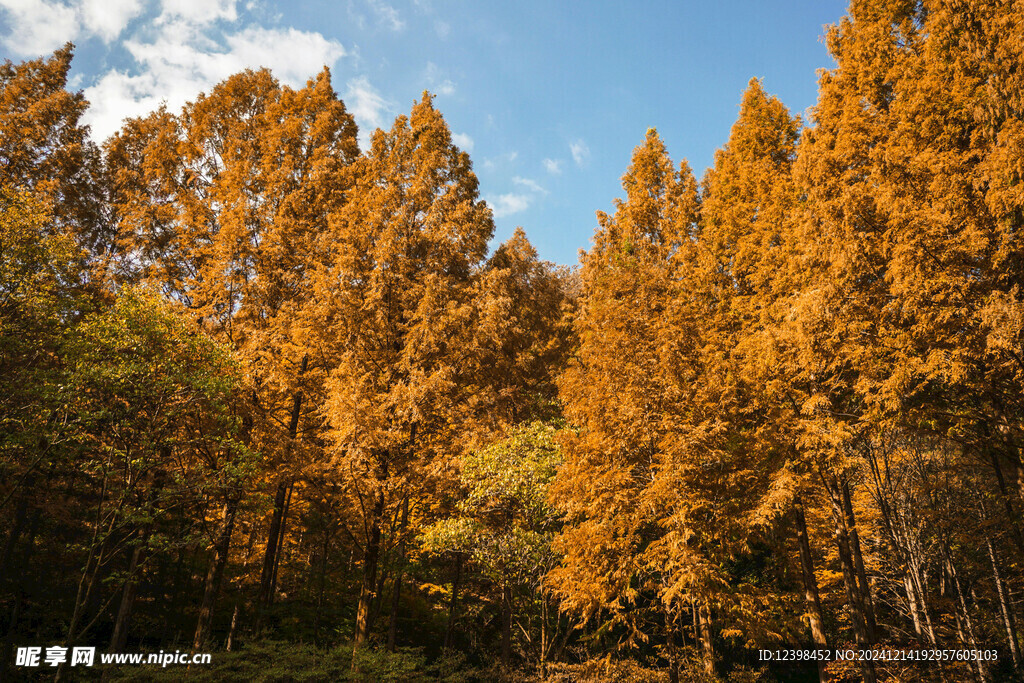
(915, 614)
(670, 643)
(275, 534)
(231, 631)
(853, 594)
(124, 610)
(965, 614)
(811, 596)
(449, 632)
(707, 644)
(215, 574)
(858, 561)
(266, 593)
(1011, 514)
(368, 590)
(323, 586)
(918, 585)
(506, 625)
(280, 543)
(396, 592)
(1004, 605)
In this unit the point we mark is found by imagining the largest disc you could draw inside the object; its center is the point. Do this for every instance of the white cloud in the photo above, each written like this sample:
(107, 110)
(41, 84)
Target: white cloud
(502, 160)
(437, 82)
(531, 185)
(190, 52)
(386, 15)
(464, 142)
(37, 27)
(368, 107)
(508, 204)
(580, 152)
(197, 12)
(552, 166)
(293, 55)
(443, 29)
(108, 18)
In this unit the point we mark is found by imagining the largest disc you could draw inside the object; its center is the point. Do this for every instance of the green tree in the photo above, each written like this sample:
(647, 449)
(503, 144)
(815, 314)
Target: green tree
(505, 525)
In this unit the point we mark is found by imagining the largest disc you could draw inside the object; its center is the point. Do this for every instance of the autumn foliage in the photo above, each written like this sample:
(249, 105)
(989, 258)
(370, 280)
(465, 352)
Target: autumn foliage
(267, 395)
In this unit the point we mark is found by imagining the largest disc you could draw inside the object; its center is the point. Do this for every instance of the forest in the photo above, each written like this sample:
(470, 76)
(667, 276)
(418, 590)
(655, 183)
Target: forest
(270, 397)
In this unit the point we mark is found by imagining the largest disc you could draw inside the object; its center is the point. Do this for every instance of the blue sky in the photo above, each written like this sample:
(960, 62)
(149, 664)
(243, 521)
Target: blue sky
(549, 98)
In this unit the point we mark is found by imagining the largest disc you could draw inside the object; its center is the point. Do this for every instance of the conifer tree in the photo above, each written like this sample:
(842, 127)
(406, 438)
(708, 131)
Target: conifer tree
(223, 207)
(45, 149)
(393, 311)
(616, 396)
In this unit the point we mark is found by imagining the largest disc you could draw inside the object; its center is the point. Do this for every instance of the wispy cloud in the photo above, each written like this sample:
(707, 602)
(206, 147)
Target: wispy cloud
(464, 142)
(443, 29)
(387, 15)
(368, 107)
(198, 12)
(517, 202)
(529, 184)
(500, 160)
(437, 82)
(508, 204)
(580, 152)
(552, 166)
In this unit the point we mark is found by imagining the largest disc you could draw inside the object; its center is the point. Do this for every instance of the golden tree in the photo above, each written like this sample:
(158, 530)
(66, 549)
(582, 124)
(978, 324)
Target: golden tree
(392, 312)
(619, 395)
(45, 149)
(224, 207)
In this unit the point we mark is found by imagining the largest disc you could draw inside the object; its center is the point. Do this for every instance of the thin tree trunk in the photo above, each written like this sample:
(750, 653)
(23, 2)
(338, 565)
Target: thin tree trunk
(449, 632)
(853, 594)
(1004, 605)
(1005, 599)
(544, 637)
(368, 590)
(670, 642)
(231, 631)
(215, 574)
(275, 534)
(266, 593)
(707, 644)
(399, 571)
(1011, 514)
(280, 543)
(858, 559)
(811, 596)
(962, 603)
(154, 482)
(915, 614)
(506, 625)
(918, 584)
(124, 610)
(323, 586)
(90, 573)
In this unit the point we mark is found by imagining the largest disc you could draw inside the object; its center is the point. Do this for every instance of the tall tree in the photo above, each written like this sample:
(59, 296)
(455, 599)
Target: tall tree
(44, 147)
(224, 206)
(390, 309)
(619, 396)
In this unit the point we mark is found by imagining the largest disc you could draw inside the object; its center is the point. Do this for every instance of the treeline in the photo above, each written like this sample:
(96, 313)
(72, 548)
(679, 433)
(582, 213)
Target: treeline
(268, 396)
